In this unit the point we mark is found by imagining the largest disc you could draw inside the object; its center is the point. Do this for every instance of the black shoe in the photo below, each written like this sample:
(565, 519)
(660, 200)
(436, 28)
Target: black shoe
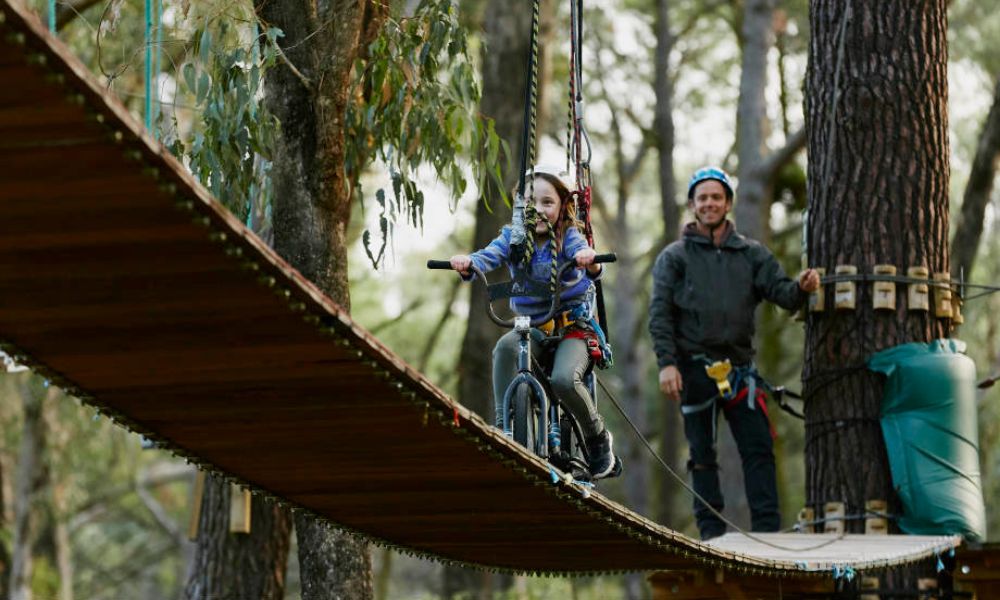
(602, 458)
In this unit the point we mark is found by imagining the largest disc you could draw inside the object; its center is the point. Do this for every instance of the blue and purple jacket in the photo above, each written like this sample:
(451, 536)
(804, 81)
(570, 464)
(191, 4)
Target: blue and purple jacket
(578, 285)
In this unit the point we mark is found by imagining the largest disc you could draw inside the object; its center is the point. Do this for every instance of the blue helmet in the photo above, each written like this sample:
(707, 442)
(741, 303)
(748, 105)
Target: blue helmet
(706, 173)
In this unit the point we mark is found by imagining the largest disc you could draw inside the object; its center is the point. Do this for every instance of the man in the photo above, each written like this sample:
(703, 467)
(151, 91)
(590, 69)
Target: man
(706, 288)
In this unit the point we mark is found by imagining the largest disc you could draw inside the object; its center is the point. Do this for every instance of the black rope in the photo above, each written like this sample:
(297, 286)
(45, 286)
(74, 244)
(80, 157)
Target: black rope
(530, 99)
(950, 283)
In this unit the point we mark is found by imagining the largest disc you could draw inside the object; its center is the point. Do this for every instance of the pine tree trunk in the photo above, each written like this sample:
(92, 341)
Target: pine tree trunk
(878, 194)
(504, 59)
(232, 566)
(670, 422)
(31, 476)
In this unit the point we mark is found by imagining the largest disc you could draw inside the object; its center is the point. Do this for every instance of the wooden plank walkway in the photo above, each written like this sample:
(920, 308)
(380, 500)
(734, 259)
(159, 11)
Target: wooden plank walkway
(131, 288)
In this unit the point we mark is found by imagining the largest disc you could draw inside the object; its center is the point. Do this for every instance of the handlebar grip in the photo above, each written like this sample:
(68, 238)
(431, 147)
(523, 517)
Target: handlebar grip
(610, 257)
(439, 264)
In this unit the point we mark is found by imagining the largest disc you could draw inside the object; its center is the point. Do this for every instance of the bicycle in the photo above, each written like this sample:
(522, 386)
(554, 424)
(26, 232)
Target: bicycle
(527, 410)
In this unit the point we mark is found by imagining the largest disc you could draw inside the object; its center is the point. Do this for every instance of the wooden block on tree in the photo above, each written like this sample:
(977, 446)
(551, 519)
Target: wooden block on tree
(874, 524)
(942, 296)
(869, 584)
(845, 292)
(917, 297)
(833, 515)
(884, 292)
(197, 493)
(239, 510)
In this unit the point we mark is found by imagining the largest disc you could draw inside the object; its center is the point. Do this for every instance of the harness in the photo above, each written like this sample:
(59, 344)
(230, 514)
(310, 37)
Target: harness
(578, 323)
(736, 384)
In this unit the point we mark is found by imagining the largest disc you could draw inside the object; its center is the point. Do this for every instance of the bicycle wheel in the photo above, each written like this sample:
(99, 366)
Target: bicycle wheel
(524, 421)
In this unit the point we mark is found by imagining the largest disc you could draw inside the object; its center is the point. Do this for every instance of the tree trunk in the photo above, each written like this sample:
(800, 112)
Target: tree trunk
(30, 478)
(504, 60)
(670, 422)
(753, 205)
(313, 210)
(878, 194)
(63, 549)
(505, 51)
(977, 193)
(232, 566)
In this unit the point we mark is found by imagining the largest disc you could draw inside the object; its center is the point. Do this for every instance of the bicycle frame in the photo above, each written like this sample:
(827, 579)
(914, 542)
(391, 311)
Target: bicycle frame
(522, 325)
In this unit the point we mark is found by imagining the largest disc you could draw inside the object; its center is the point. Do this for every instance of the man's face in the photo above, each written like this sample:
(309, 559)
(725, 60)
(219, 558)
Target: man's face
(547, 203)
(710, 204)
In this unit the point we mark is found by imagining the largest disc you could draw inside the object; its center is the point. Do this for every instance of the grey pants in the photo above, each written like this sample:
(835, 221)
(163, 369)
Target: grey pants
(571, 362)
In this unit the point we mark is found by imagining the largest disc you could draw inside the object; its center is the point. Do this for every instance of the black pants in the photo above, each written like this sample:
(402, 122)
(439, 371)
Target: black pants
(752, 433)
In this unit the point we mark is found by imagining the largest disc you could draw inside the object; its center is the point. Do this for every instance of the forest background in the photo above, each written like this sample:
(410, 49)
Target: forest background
(109, 519)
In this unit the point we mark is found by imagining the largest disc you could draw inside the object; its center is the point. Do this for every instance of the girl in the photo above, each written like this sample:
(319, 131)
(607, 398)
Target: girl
(556, 230)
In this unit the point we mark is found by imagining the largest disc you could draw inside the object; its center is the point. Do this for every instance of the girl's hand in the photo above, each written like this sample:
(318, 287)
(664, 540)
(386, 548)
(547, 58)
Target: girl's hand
(461, 263)
(585, 258)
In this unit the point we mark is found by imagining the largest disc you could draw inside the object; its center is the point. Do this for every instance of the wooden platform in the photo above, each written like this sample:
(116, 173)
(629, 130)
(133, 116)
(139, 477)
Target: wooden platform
(127, 285)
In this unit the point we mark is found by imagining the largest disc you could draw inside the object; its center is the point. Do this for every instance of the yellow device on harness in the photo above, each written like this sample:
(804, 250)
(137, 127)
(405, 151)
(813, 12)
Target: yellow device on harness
(719, 371)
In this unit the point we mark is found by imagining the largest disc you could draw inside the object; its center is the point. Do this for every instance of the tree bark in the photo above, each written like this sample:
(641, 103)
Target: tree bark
(753, 206)
(663, 123)
(232, 566)
(312, 210)
(30, 479)
(977, 193)
(876, 110)
(504, 60)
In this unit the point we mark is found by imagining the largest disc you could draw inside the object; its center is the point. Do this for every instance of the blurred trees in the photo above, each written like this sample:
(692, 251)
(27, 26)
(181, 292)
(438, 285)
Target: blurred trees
(124, 511)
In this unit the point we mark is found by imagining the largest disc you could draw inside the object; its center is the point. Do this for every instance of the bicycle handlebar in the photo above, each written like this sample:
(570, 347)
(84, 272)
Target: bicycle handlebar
(609, 257)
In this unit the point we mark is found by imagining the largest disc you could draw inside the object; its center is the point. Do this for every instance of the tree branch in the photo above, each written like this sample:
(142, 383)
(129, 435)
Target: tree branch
(772, 163)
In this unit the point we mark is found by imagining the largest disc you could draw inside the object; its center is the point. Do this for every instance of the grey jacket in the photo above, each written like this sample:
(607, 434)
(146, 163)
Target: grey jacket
(704, 297)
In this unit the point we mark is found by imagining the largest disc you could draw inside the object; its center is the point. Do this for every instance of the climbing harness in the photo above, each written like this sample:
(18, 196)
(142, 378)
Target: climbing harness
(750, 386)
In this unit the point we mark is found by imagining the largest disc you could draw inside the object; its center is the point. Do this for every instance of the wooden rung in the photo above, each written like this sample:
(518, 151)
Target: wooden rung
(197, 494)
(875, 525)
(884, 292)
(845, 292)
(917, 297)
(239, 509)
(869, 584)
(833, 515)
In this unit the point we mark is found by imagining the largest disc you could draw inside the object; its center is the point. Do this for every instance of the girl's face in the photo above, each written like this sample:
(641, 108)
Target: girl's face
(547, 203)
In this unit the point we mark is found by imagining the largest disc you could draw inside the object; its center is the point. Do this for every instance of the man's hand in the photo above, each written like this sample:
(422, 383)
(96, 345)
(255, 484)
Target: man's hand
(809, 280)
(671, 383)
(461, 263)
(585, 258)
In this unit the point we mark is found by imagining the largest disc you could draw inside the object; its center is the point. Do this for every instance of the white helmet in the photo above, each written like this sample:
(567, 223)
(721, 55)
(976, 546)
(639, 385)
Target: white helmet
(553, 170)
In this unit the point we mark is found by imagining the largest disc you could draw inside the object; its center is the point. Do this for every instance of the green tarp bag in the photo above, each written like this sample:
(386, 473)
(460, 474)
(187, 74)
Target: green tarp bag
(931, 433)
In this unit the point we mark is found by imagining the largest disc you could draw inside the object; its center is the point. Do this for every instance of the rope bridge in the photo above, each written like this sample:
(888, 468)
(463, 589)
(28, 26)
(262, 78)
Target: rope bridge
(123, 282)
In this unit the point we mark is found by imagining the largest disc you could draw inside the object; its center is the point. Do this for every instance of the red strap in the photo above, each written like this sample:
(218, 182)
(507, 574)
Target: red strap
(761, 402)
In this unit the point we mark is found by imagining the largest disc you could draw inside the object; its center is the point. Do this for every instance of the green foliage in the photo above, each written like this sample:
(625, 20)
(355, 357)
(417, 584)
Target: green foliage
(229, 145)
(415, 104)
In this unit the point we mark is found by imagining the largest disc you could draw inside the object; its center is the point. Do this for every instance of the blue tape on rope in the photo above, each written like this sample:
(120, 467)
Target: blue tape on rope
(554, 475)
